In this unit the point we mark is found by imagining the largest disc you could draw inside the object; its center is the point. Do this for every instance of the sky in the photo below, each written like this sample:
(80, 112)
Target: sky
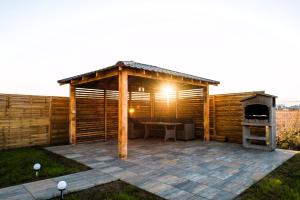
(246, 45)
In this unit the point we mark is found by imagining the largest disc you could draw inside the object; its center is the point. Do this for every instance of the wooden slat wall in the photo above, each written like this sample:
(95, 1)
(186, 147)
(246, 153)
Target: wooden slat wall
(112, 114)
(27, 120)
(59, 118)
(164, 107)
(228, 115)
(212, 115)
(140, 102)
(24, 120)
(89, 115)
(190, 105)
(4, 120)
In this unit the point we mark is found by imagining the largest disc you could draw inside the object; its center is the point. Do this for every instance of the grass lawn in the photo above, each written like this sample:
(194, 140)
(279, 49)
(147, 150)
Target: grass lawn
(117, 190)
(282, 183)
(16, 165)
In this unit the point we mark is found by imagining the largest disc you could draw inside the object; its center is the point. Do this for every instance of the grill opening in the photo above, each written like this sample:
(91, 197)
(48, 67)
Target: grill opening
(256, 111)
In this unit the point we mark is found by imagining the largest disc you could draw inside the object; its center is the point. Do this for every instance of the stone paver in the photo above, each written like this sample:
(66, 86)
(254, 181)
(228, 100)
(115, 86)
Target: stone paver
(173, 170)
(15, 193)
(43, 189)
(181, 170)
(209, 193)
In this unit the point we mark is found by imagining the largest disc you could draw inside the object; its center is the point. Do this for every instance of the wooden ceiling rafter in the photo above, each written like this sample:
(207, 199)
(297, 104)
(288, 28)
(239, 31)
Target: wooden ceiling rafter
(149, 80)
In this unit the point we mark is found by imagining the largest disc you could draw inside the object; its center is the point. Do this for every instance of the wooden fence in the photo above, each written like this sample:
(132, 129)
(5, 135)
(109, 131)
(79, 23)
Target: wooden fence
(59, 120)
(27, 120)
(226, 113)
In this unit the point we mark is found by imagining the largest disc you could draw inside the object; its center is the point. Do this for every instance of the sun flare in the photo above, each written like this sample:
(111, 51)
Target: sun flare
(167, 91)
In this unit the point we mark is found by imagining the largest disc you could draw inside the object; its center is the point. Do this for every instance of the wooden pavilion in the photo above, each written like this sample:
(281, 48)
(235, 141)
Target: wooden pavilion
(101, 101)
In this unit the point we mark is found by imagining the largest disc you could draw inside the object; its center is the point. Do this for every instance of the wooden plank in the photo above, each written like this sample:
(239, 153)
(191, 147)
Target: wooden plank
(90, 112)
(123, 114)
(190, 105)
(163, 77)
(176, 104)
(105, 116)
(152, 104)
(141, 103)
(131, 114)
(72, 115)
(50, 121)
(98, 76)
(24, 120)
(206, 113)
(214, 116)
(228, 115)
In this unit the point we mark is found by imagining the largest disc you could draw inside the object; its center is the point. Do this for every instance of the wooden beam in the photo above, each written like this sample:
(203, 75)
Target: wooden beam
(123, 114)
(206, 112)
(72, 115)
(85, 78)
(174, 80)
(97, 77)
(149, 87)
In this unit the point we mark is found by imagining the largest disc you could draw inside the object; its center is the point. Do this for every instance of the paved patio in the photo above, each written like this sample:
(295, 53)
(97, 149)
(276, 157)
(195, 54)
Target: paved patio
(178, 170)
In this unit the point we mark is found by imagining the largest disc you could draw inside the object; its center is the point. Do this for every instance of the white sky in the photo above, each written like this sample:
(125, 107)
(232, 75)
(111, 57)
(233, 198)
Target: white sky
(246, 45)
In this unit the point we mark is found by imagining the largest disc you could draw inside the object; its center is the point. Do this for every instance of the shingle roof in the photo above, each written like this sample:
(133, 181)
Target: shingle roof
(257, 94)
(136, 65)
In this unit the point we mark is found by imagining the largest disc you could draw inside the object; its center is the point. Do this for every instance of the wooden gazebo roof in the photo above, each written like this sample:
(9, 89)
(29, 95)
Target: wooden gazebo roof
(127, 77)
(139, 69)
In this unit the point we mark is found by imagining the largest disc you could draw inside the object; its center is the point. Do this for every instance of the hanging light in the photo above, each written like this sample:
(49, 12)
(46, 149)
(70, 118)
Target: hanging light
(131, 110)
(141, 89)
(37, 168)
(61, 186)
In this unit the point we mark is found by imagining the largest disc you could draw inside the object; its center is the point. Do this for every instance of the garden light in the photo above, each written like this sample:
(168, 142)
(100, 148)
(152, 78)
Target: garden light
(37, 168)
(61, 186)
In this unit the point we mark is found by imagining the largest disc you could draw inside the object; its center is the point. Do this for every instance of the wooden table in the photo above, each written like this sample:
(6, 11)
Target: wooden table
(169, 132)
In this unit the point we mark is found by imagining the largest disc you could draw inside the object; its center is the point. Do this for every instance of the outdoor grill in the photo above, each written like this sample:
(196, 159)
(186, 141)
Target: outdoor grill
(259, 112)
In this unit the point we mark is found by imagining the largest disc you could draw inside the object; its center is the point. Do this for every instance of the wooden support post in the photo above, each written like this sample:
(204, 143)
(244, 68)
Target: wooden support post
(123, 114)
(72, 115)
(176, 104)
(152, 103)
(105, 116)
(206, 112)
